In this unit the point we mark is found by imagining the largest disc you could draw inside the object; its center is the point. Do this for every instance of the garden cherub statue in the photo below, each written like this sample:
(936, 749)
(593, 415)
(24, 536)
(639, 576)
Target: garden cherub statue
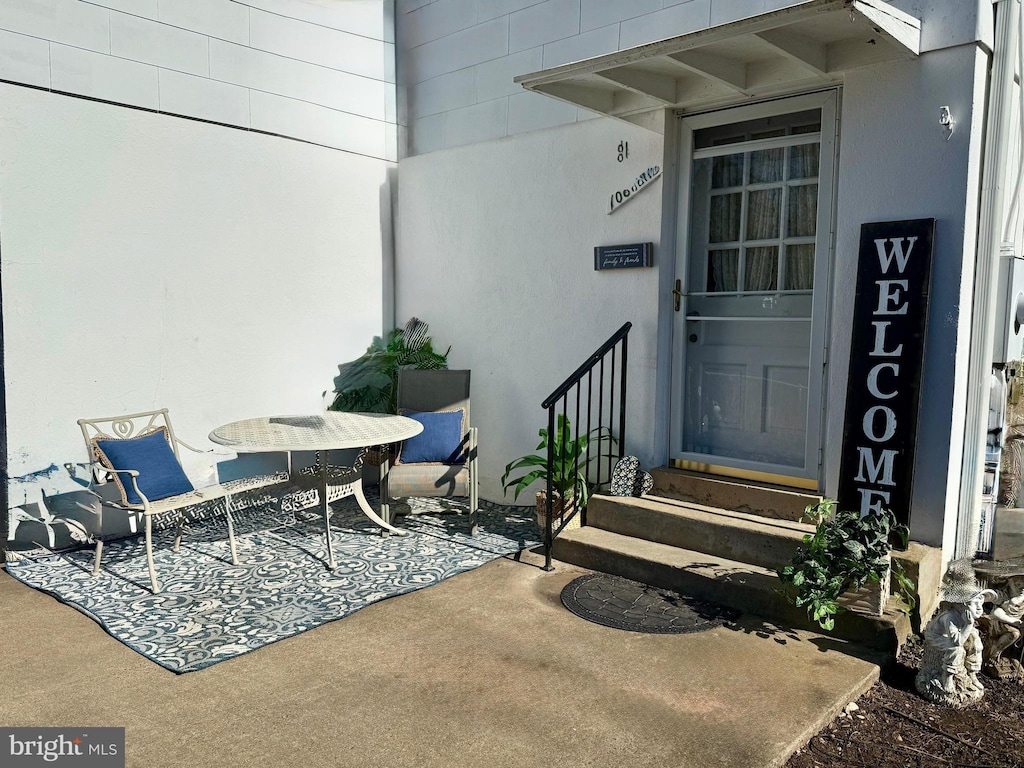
(952, 645)
(1004, 624)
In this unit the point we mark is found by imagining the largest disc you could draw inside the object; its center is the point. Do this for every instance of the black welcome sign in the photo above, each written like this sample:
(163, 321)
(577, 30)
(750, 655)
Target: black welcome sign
(886, 355)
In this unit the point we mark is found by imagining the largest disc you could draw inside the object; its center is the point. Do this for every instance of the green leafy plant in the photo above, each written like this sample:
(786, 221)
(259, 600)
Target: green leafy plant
(572, 457)
(369, 383)
(845, 552)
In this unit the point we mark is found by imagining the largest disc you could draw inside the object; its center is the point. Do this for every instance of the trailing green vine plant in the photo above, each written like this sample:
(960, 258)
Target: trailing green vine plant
(845, 552)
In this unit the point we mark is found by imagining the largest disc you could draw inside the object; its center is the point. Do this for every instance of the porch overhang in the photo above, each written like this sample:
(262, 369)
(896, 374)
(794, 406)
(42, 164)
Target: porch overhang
(799, 47)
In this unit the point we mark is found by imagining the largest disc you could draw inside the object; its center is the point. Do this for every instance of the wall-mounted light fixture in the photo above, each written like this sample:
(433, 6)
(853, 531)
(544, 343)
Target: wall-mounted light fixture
(946, 120)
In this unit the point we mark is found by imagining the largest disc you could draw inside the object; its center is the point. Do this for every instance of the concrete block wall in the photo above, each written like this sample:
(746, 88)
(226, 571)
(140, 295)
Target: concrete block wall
(457, 58)
(323, 73)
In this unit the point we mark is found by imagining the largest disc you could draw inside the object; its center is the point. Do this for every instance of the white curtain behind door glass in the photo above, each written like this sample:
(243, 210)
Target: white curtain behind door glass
(740, 222)
(799, 267)
(764, 208)
(724, 270)
(802, 215)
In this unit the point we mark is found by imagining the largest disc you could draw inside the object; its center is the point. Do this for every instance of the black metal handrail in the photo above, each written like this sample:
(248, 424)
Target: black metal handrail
(568, 483)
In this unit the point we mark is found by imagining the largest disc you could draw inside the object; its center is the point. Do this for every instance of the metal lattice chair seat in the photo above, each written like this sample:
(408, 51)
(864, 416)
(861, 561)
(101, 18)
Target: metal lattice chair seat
(210, 493)
(429, 480)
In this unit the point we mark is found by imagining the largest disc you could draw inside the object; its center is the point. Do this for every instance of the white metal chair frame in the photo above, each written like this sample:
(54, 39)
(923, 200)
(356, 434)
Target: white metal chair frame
(137, 425)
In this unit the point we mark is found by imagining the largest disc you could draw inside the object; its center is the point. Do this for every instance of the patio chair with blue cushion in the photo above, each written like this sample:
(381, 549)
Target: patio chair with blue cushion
(139, 453)
(441, 461)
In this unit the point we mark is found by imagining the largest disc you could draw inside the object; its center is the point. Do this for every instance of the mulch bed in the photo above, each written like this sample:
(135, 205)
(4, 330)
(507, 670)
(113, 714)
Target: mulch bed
(893, 726)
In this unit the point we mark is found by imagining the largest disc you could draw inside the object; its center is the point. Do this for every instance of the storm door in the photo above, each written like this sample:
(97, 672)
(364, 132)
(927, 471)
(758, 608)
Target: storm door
(753, 258)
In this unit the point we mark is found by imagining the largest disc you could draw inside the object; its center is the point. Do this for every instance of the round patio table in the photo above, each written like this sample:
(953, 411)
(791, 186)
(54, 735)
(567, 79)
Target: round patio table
(328, 431)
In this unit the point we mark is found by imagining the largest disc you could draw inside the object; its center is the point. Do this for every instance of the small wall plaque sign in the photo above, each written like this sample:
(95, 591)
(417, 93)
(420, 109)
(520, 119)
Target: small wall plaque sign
(624, 256)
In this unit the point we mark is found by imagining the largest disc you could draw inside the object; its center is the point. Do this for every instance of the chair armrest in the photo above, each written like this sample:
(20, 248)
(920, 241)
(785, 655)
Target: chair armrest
(132, 472)
(212, 451)
(183, 444)
(132, 475)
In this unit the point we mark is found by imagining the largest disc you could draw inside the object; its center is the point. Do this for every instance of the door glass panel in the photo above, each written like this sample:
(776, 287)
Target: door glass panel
(766, 165)
(795, 123)
(799, 267)
(763, 206)
(803, 160)
(728, 171)
(724, 223)
(723, 270)
(802, 217)
(762, 268)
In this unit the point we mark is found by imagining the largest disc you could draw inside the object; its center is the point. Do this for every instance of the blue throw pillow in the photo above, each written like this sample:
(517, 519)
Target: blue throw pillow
(160, 474)
(440, 442)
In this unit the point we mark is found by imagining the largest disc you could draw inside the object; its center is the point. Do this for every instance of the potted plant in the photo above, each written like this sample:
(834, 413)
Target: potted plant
(369, 382)
(569, 473)
(847, 555)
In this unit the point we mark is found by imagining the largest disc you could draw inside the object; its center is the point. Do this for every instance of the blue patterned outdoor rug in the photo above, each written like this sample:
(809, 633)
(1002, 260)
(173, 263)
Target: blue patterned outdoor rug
(210, 610)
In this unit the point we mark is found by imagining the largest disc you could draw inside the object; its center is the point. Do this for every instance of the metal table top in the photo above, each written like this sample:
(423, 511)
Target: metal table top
(331, 430)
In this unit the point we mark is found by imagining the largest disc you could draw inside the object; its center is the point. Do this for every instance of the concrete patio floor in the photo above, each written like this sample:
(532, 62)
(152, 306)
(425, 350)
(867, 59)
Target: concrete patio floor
(485, 669)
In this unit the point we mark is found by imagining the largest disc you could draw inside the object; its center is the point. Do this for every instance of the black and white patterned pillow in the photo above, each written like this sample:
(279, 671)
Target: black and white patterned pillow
(629, 480)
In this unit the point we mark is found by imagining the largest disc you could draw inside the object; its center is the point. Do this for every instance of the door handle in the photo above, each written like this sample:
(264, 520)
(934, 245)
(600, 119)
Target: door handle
(677, 294)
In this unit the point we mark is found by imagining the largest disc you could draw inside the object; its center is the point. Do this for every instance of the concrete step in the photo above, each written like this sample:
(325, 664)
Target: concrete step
(769, 543)
(744, 586)
(762, 499)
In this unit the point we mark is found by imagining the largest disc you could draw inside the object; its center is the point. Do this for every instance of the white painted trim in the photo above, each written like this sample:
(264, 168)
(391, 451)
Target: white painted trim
(809, 54)
(822, 300)
(666, 280)
(731, 74)
(681, 215)
(661, 88)
(903, 27)
(998, 121)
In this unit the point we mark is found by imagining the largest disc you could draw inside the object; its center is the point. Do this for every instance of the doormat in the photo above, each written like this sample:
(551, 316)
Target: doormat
(210, 610)
(614, 601)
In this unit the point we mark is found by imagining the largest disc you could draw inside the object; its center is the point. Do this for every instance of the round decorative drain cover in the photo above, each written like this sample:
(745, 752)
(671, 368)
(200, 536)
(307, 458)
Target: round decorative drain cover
(624, 604)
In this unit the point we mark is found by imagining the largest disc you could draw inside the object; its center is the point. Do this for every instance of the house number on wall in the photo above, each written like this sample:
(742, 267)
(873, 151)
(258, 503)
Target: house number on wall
(623, 150)
(620, 196)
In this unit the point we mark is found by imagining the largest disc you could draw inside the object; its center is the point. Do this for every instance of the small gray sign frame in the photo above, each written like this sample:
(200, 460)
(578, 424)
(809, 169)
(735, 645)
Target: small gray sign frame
(626, 256)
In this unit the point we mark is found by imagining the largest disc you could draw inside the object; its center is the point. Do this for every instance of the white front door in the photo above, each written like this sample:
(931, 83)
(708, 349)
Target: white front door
(753, 257)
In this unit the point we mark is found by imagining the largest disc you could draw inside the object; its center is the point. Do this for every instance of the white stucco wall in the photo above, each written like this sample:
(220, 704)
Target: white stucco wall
(495, 251)
(895, 163)
(150, 261)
